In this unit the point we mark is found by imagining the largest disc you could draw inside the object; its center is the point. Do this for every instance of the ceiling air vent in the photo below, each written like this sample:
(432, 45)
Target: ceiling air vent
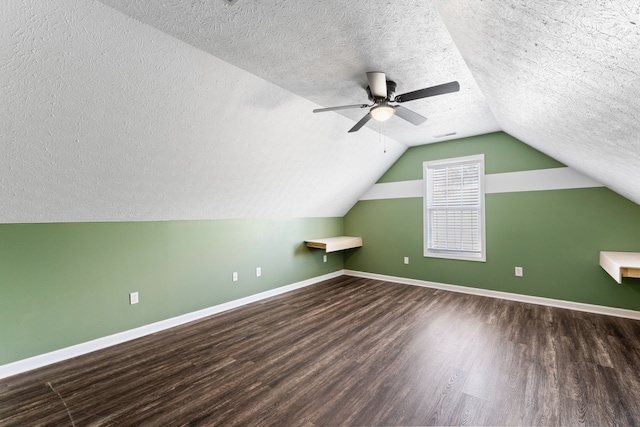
(445, 134)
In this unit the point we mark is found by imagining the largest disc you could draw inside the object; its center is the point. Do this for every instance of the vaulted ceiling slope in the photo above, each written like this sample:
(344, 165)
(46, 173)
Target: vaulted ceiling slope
(107, 119)
(153, 110)
(561, 76)
(321, 51)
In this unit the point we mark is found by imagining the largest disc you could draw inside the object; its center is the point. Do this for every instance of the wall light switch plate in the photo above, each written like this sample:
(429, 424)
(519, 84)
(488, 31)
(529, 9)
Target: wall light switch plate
(518, 271)
(133, 298)
(258, 271)
(406, 260)
(324, 258)
(234, 277)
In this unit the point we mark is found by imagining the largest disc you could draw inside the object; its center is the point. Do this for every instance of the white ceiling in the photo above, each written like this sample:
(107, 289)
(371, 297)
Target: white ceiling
(561, 76)
(321, 51)
(108, 119)
(205, 112)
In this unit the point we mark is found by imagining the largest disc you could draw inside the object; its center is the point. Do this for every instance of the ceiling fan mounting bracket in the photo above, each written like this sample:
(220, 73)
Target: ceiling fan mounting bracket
(391, 91)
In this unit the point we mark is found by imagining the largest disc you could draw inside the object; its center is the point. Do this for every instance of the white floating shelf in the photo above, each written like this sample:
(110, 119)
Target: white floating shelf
(332, 244)
(621, 264)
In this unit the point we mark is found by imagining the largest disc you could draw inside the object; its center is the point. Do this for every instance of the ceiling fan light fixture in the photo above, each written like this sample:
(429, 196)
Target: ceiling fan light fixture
(382, 112)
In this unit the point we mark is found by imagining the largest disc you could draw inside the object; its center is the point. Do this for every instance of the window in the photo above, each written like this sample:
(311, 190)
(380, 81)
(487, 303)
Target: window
(454, 208)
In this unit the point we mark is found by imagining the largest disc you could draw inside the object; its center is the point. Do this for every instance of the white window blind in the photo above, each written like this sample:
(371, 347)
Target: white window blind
(454, 208)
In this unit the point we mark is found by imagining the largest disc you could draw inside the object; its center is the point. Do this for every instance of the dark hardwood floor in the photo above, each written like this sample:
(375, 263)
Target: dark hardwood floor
(351, 352)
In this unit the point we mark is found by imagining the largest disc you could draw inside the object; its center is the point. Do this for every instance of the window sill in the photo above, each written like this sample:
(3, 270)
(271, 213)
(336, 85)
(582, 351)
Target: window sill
(459, 257)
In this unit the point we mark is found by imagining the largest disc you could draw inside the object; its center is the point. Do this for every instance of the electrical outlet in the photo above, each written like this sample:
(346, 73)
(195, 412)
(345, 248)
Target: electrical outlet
(406, 260)
(519, 272)
(234, 277)
(324, 258)
(133, 298)
(258, 271)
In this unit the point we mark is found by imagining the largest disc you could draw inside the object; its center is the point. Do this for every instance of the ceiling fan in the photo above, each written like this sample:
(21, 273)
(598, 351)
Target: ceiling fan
(382, 91)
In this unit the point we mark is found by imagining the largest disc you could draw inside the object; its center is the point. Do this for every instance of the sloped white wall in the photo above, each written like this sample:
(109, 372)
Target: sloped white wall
(107, 119)
(560, 76)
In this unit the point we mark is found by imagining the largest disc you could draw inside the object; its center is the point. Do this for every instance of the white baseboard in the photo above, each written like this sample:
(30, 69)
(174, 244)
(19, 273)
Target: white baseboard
(45, 359)
(570, 305)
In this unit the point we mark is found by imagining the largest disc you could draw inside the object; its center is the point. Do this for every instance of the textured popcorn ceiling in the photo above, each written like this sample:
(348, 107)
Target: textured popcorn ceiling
(107, 119)
(562, 76)
(321, 51)
(177, 109)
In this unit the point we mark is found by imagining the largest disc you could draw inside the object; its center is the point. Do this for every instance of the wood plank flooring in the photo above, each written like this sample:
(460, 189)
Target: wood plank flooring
(351, 352)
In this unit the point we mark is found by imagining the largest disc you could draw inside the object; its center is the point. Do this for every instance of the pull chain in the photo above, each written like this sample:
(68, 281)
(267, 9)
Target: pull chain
(382, 136)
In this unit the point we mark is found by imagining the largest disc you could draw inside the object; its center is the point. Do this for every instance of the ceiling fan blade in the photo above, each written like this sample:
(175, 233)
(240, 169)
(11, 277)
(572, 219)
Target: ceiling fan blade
(427, 92)
(408, 115)
(377, 84)
(361, 123)
(343, 107)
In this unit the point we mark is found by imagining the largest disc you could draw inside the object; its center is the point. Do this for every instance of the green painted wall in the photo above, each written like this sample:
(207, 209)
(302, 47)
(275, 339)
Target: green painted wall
(64, 284)
(503, 153)
(556, 236)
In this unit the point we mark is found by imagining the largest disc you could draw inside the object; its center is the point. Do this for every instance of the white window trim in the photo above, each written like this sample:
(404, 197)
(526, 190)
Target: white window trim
(455, 255)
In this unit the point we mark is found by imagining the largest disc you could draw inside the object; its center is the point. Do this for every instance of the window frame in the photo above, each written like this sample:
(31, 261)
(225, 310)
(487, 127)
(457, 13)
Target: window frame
(450, 254)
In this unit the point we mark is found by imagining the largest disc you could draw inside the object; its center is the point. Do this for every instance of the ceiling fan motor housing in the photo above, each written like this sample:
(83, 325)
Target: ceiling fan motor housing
(391, 89)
